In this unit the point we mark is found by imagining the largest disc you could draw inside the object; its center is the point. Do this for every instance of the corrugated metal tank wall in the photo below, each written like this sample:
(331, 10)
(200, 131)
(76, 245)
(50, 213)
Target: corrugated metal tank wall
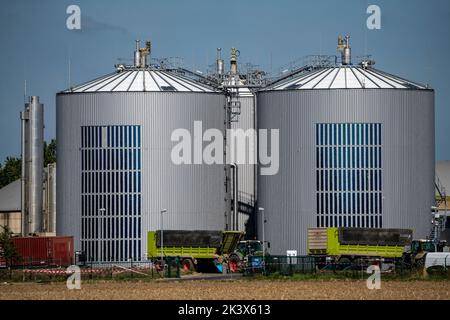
(192, 194)
(407, 119)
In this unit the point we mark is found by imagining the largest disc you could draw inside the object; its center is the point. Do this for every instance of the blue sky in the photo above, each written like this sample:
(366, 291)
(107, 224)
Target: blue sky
(413, 43)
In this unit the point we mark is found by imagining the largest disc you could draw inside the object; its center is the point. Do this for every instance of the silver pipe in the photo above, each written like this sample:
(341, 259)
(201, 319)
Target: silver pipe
(219, 62)
(24, 218)
(235, 222)
(35, 163)
(137, 54)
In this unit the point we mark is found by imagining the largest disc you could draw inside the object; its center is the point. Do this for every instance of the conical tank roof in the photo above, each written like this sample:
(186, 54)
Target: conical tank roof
(343, 77)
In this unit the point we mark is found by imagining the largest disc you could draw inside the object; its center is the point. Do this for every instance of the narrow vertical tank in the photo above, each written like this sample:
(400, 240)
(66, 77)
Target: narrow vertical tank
(32, 165)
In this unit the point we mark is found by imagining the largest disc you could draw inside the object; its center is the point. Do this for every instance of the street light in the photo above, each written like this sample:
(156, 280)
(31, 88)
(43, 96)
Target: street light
(162, 238)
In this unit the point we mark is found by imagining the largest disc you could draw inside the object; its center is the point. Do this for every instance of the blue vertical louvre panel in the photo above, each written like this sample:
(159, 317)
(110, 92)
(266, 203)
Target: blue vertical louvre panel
(110, 193)
(348, 175)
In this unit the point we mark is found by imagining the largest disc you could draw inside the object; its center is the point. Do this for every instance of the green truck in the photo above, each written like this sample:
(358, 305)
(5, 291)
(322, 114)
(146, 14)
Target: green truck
(197, 250)
(352, 245)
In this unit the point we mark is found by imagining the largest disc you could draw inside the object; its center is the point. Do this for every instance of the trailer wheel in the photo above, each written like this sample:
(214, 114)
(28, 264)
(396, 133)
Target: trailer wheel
(187, 265)
(233, 264)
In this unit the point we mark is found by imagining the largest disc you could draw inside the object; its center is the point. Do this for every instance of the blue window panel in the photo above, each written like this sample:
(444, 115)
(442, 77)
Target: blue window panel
(371, 157)
(340, 157)
(354, 202)
(139, 136)
(100, 137)
(326, 180)
(130, 159)
(353, 157)
(340, 203)
(344, 157)
(339, 133)
(317, 157)
(139, 159)
(317, 180)
(317, 134)
(335, 157)
(130, 136)
(322, 134)
(379, 157)
(121, 139)
(366, 127)
(380, 185)
(344, 133)
(125, 136)
(326, 134)
(334, 142)
(357, 157)
(352, 141)
(330, 131)
(139, 181)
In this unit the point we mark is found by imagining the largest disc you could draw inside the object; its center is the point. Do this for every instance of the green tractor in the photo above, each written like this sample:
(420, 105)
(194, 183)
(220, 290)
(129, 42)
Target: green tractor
(238, 260)
(415, 257)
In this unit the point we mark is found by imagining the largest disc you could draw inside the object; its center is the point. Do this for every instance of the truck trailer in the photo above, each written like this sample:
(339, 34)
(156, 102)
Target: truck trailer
(195, 248)
(350, 245)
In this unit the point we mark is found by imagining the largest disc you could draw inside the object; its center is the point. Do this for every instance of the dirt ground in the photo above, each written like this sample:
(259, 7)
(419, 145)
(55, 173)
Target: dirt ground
(235, 289)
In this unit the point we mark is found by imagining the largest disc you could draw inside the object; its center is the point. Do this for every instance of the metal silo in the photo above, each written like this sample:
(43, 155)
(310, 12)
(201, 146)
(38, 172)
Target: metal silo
(356, 150)
(115, 172)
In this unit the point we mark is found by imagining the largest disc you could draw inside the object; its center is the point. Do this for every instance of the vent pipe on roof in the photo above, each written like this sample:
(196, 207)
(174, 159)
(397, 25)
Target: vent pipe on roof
(233, 61)
(219, 62)
(140, 54)
(344, 48)
(137, 54)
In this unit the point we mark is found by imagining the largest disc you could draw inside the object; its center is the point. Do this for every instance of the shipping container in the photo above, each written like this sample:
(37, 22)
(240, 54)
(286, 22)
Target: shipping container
(40, 251)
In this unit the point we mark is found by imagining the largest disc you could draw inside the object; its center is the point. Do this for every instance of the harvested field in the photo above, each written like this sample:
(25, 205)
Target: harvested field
(235, 289)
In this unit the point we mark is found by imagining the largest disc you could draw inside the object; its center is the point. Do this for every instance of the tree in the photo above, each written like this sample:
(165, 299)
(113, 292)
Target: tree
(8, 252)
(49, 152)
(10, 171)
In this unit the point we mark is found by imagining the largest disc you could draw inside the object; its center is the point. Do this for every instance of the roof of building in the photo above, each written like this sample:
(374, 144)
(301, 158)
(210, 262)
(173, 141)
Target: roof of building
(10, 197)
(141, 80)
(343, 77)
(443, 174)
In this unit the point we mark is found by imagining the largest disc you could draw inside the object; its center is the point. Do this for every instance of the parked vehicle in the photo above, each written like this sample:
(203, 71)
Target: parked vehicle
(198, 248)
(357, 246)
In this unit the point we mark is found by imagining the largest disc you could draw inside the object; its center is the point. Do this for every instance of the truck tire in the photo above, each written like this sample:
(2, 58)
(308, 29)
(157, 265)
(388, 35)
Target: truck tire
(233, 263)
(187, 265)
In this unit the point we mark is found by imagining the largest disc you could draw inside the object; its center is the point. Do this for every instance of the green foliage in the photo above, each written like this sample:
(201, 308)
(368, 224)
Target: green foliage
(11, 170)
(8, 252)
(49, 152)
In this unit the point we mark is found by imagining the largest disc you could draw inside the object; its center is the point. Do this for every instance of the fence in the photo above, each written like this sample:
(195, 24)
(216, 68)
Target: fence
(32, 271)
(290, 265)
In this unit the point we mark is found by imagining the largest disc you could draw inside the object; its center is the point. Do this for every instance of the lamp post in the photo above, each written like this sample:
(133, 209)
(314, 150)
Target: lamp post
(162, 238)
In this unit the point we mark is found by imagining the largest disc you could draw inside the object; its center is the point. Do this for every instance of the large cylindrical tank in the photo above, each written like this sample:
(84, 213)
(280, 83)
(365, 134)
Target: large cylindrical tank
(356, 149)
(115, 171)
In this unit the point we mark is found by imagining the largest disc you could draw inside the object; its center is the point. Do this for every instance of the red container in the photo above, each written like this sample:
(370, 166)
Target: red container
(45, 250)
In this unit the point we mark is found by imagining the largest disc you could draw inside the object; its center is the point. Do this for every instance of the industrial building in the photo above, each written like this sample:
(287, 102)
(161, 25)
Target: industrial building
(115, 173)
(356, 150)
